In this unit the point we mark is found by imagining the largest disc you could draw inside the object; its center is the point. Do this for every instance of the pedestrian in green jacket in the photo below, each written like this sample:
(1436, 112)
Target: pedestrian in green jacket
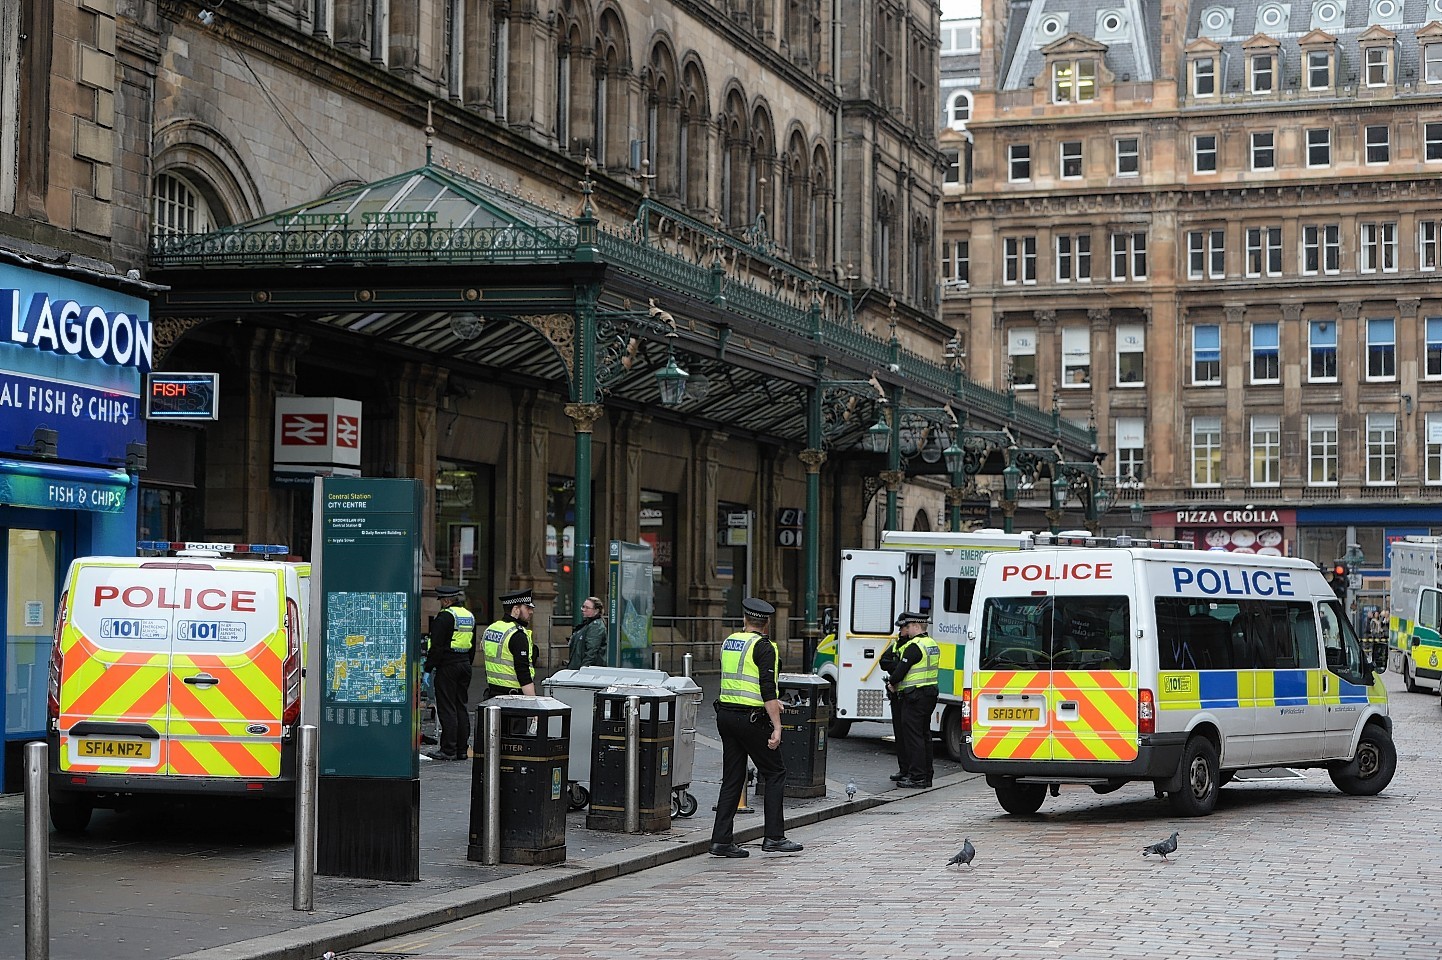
(588, 640)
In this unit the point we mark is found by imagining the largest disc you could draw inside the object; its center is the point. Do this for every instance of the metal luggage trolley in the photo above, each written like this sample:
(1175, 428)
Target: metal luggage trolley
(577, 689)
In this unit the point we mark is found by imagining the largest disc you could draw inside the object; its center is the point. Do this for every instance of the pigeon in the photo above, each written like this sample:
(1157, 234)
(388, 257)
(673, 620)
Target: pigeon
(1162, 847)
(964, 855)
(850, 791)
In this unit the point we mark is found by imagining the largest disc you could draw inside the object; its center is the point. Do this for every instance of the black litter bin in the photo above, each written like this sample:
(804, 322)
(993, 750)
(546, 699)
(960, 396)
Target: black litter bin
(657, 722)
(535, 740)
(805, 711)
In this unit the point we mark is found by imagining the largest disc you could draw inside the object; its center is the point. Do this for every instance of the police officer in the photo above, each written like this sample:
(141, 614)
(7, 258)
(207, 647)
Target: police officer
(748, 718)
(911, 674)
(509, 648)
(448, 659)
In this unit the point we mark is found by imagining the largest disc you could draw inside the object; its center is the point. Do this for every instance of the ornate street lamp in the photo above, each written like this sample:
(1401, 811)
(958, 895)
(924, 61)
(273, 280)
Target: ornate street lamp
(1010, 485)
(1139, 513)
(1060, 490)
(955, 458)
(878, 438)
(672, 381)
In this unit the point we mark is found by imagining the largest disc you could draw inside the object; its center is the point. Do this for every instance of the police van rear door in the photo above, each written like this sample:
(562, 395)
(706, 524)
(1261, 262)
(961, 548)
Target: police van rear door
(114, 690)
(873, 593)
(227, 668)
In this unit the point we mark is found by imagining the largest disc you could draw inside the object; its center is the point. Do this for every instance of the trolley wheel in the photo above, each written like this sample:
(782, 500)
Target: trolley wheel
(580, 796)
(675, 806)
(688, 804)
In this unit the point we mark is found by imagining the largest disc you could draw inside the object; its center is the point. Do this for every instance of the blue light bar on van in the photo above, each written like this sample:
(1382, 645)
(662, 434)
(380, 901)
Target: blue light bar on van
(165, 546)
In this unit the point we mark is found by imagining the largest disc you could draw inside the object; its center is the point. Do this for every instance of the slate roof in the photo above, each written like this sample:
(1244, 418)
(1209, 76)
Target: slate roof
(1132, 51)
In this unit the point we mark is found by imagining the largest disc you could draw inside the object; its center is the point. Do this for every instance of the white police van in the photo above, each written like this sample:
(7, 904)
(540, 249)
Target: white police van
(1128, 660)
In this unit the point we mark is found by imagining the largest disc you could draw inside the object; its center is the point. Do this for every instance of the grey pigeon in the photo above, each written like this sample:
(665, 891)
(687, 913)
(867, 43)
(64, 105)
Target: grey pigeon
(964, 855)
(1162, 847)
(850, 791)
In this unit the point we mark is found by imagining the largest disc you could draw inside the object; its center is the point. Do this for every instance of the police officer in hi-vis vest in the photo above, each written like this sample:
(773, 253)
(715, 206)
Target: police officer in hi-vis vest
(448, 657)
(748, 718)
(911, 674)
(509, 649)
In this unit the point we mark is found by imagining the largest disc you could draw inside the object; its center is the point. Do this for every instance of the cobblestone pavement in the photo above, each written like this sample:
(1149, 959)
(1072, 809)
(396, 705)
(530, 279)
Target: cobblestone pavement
(1284, 868)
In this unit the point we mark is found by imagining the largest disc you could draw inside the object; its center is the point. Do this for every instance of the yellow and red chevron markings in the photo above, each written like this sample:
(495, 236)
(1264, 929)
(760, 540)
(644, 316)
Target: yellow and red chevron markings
(1104, 726)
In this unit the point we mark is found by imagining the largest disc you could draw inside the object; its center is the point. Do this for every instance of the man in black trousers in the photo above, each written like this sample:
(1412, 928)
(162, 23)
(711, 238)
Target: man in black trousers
(748, 718)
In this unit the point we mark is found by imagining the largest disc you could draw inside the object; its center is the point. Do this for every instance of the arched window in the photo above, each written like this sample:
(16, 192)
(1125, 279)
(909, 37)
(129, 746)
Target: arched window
(612, 114)
(500, 62)
(819, 209)
(178, 208)
(763, 170)
(958, 110)
(735, 162)
(695, 122)
(881, 241)
(796, 204)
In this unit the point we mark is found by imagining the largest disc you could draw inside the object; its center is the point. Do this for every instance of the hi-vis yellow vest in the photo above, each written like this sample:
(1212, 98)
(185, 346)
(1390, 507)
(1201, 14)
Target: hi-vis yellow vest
(500, 668)
(464, 636)
(922, 672)
(740, 675)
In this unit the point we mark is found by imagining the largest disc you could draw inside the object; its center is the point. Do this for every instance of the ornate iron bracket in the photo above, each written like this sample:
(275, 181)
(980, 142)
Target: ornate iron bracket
(840, 402)
(618, 342)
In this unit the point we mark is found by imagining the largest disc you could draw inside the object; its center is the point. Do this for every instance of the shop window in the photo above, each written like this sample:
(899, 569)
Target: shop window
(465, 531)
(561, 541)
(658, 525)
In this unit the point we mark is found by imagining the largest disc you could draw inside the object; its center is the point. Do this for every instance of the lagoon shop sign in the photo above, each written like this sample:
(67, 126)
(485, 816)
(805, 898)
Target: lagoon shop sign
(77, 329)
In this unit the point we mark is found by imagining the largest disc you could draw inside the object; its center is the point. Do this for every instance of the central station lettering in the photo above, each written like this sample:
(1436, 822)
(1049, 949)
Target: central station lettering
(1234, 581)
(145, 598)
(1081, 570)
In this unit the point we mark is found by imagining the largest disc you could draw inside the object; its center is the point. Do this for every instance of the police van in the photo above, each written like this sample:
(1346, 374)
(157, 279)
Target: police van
(930, 572)
(1104, 661)
(177, 674)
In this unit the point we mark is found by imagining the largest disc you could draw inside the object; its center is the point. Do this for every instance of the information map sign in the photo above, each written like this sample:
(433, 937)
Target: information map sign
(631, 600)
(370, 627)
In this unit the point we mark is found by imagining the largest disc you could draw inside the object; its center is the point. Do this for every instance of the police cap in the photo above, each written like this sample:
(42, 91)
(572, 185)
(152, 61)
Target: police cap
(757, 608)
(447, 590)
(516, 597)
(911, 617)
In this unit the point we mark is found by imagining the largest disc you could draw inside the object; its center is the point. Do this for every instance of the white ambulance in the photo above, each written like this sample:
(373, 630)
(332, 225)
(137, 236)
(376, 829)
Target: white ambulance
(1100, 662)
(175, 675)
(1414, 631)
(930, 572)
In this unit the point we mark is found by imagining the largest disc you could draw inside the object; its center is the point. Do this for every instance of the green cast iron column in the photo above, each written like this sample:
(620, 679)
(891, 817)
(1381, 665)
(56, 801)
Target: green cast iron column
(813, 456)
(585, 411)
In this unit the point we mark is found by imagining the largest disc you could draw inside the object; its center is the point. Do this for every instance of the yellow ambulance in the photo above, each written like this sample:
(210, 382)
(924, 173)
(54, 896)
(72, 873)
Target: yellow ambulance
(175, 674)
(1100, 662)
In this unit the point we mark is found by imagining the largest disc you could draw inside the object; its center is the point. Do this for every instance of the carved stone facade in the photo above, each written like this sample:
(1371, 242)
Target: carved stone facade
(1192, 236)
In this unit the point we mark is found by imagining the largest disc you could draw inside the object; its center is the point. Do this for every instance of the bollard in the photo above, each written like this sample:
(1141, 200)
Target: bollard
(37, 852)
(686, 665)
(303, 896)
(492, 781)
(633, 764)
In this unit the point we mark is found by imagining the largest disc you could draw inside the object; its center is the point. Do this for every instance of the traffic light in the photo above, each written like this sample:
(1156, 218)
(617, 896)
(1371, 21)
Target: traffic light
(1341, 575)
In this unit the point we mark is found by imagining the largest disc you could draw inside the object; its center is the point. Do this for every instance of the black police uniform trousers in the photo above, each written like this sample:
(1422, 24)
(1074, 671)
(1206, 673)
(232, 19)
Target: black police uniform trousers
(453, 683)
(898, 732)
(917, 704)
(743, 737)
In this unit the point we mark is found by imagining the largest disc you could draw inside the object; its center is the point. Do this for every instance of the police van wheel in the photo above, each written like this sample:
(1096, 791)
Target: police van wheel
(1372, 768)
(1021, 798)
(1200, 779)
(71, 816)
(840, 729)
(1408, 680)
(951, 735)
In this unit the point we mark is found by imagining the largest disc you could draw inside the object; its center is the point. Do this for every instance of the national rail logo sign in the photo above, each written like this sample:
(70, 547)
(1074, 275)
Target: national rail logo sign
(317, 432)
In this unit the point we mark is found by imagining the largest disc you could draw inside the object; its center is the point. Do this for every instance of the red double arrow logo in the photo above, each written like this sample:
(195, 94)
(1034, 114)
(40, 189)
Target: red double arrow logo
(347, 431)
(303, 429)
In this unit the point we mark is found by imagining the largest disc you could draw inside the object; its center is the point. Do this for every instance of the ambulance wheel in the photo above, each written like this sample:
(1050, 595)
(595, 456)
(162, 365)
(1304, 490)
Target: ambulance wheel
(840, 729)
(1201, 780)
(71, 816)
(688, 804)
(1021, 798)
(580, 796)
(1372, 768)
(951, 736)
(1409, 681)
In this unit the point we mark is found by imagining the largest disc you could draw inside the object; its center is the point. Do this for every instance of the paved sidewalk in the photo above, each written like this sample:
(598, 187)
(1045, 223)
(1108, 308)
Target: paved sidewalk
(211, 882)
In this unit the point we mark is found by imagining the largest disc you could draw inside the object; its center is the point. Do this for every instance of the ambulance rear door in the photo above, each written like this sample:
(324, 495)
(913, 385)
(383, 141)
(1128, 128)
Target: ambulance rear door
(228, 661)
(873, 594)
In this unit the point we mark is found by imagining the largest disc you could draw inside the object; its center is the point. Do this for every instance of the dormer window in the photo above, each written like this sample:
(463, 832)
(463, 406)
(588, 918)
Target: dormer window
(1378, 66)
(1264, 73)
(1204, 77)
(1073, 81)
(1319, 70)
(1432, 62)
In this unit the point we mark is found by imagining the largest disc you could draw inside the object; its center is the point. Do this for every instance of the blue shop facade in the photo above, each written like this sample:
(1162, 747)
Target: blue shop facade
(73, 356)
